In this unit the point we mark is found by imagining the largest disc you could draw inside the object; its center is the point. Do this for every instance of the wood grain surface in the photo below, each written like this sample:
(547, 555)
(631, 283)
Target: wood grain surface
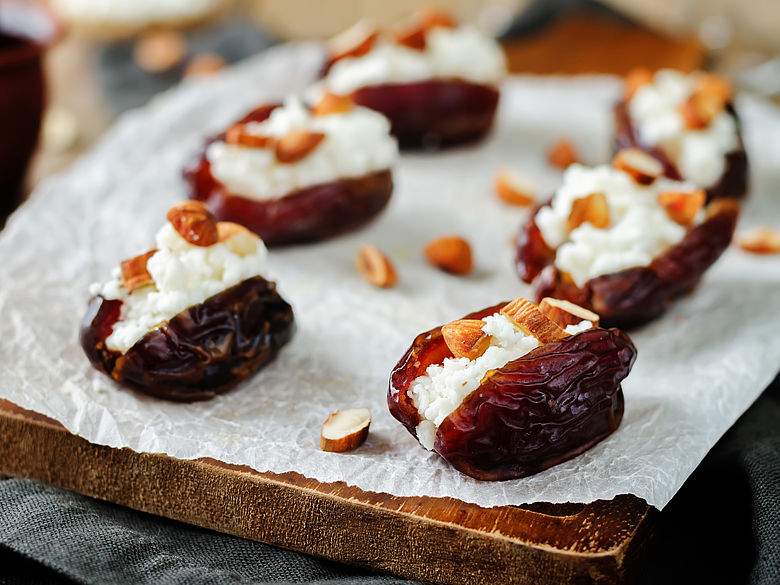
(441, 540)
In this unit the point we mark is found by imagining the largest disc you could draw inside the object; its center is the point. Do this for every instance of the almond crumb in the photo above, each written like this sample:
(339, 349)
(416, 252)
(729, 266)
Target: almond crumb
(592, 208)
(642, 167)
(562, 154)
(333, 104)
(515, 188)
(759, 240)
(465, 338)
(450, 253)
(296, 145)
(682, 207)
(238, 135)
(134, 272)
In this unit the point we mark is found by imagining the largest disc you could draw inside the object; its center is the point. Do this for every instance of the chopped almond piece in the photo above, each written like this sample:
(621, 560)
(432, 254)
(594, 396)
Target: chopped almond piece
(333, 104)
(412, 37)
(699, 109)
(759, 240)
(515, 188)
(593, 209)
(715, 86)
(296, 145)
(194, 222)
(433, 18)
(531, 320)
(562, 154)
(134, 272)
(356, 41)
(635, 79)
(238, 135)
(345, 430)
(450, 253)
(204, 65)
(642, 167)
(682, 207)
(237, 238)
(565, 313)
(465, 338)
(375, 267)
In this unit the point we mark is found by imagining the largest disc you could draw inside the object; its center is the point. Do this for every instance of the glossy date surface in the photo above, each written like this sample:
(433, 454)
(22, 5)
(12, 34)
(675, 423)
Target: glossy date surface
(733, 182)
(202, 351)
(535, 412)
(633, 296)
(433, 113)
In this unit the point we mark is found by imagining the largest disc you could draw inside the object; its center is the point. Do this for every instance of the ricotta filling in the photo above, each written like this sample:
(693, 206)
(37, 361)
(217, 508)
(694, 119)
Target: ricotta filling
(356, 144)
(462, 53)
(700, 155)
(183, 275)
(133, 11)
(639, 227)
(444, 386)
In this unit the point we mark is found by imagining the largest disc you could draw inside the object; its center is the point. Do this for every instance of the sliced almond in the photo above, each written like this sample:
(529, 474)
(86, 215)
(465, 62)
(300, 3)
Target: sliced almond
(592, 208)
(450, 253)
(565, 313)
(356, 41)
(682, 207)
(515, 188)
(237, 238)
(333, 104)
(194, 222)
(642, 167)
(345, 430)
(532, 321)
(465, 338)
(635, 79)
(375, 267)
(238, 135)
(134, 272)
(562, 154)
(296, 145)
(759, 240)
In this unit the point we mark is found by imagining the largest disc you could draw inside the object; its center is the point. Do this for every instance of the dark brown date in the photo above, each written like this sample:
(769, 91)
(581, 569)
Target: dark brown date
(203, 351)
(733, 182)
(307, 215)
(434, 113)
(537, 411)
(633, 296)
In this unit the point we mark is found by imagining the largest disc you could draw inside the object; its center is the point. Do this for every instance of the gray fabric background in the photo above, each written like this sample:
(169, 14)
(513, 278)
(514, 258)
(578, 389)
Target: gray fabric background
(722, 527)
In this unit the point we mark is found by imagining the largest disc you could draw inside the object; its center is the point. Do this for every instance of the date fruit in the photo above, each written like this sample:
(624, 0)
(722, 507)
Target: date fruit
(433, 113)
(539, 410)
(202, 351)
(733, 182)
(307, 215)
(631, 297)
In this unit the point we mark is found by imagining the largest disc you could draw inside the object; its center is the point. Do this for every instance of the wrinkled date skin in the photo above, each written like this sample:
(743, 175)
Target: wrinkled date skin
(201, 352)
(434, 113)
(307, 215)
(733, 182)
(633, 296)
(537, 411)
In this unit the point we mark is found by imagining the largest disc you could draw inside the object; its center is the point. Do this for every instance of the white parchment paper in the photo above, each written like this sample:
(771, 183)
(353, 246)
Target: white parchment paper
(699, 367)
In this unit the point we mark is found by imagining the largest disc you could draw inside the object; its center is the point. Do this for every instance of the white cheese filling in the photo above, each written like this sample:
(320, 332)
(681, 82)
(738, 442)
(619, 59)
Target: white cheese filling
(356, 143)
(462, 53)
(135, 12)
(183, 276)
(639, 227)
(700, 155)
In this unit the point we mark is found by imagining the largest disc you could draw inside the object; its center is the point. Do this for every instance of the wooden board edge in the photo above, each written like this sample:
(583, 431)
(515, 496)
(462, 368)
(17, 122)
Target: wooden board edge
(430, 539)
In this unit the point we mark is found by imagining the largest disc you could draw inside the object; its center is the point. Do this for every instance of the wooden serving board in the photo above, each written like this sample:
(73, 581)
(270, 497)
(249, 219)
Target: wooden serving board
(441, 540)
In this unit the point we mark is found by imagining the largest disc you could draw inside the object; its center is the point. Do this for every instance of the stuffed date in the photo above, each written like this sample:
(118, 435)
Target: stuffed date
(623, 241)
(511, 390)
(191, 318)
(294, 174)
(436, 82)
(688, 123)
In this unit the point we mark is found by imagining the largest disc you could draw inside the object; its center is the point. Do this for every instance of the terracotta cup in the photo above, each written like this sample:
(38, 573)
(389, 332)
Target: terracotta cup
(26, 30)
